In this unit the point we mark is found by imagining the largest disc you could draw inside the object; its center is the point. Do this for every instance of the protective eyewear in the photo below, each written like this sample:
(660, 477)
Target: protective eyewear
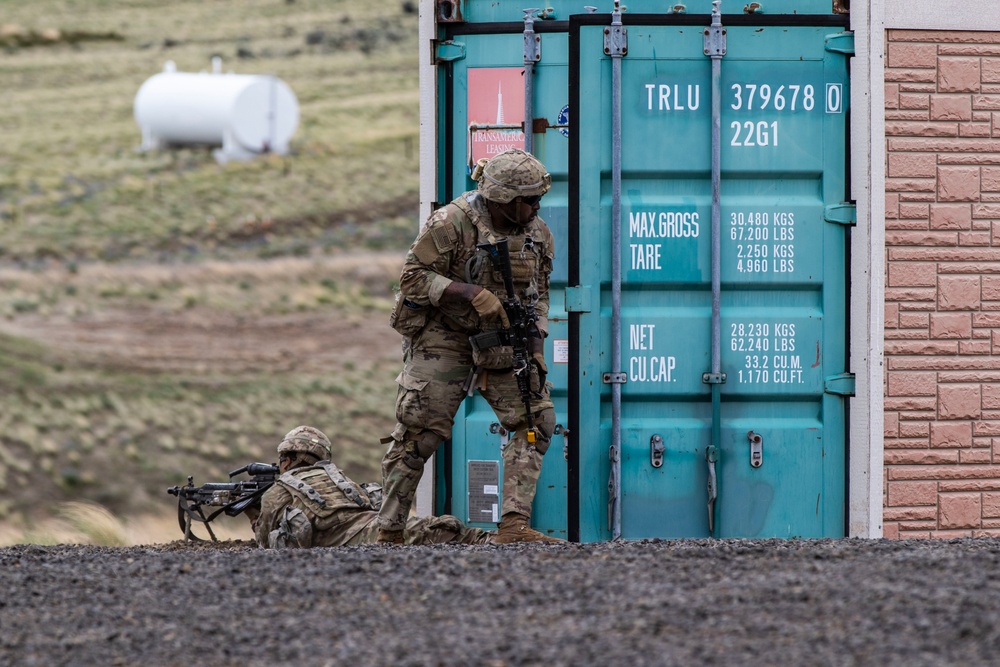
(532, 200)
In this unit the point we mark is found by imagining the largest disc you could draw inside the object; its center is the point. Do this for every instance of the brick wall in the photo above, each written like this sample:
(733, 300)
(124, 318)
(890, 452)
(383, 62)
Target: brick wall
(942, 297)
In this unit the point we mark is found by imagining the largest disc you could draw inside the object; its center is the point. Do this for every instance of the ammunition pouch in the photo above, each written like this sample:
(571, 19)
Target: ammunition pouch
(492, 350)
(407, 318)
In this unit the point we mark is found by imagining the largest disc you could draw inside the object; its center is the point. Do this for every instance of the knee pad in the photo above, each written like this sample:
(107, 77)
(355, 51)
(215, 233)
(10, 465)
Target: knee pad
(418, 447)
(545, 423)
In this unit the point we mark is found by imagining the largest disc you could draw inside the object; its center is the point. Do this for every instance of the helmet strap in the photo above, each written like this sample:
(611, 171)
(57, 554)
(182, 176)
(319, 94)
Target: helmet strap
(505, 212)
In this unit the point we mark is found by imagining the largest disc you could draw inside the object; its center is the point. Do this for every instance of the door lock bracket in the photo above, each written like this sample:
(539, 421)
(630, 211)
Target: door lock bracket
(756, 449)
(656, 449)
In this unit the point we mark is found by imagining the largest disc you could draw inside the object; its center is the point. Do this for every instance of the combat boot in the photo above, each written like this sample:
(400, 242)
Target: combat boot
(389, 536)
(514, 528)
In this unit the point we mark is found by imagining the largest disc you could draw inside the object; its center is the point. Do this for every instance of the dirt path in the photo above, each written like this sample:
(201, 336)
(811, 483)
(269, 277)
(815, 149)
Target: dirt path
(228, 330)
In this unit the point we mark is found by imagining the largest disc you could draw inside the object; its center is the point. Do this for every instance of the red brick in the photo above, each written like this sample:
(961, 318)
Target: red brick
(958, 184)
(951, 325)
(951, 435)
(975, 130)
(973, 239)
(921, 115)
(915, 165)
(920, 239)
(909, 494)
(960, 510)
(909, 513)
(890, 531)
(892, 96)
(914, 429)
(914, 320)
(986, 102)
(905, 186)
(991, 395)
(915, 454)
(912, 274)
(959, 401)
(912, 384)
(914, 211)
(950, 107)
(967, 456)
(911, 75)
(991, 179)
(975, 347)
(986, 428)
(890, 424)
(958, 293)
(990, 70)
(919, 102)
(985, 211)
(991, 505)
(958, 75)
(917, 128)
(904, 54)
(991, 287)
(950, 216)
(891, 315)
(891, 205)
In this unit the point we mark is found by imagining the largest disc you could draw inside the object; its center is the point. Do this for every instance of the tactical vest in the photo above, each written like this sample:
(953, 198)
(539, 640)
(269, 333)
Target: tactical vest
(474, 265)
(324, 489)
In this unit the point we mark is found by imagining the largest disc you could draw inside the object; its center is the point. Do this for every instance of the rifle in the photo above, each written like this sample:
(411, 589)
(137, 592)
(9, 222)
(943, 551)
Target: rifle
(232, 498)
(522, 320)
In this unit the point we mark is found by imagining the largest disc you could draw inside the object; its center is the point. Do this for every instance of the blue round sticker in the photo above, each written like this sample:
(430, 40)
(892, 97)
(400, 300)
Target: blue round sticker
(563, 119)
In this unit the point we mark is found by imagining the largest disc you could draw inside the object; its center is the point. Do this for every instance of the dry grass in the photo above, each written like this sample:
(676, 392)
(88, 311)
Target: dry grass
(83, 522)
(92, 232)
(72, 185)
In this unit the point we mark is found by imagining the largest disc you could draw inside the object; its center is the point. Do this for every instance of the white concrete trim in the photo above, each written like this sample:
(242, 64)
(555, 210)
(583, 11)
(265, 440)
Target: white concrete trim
(938, 14)
(426, 32)
(867, 270)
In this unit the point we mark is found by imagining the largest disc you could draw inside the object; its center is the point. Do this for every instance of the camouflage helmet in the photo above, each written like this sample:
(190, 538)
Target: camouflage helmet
(511, 174)
(306, 439)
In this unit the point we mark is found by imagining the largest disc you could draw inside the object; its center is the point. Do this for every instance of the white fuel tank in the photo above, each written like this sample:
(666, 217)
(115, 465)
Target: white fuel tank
(244, 114)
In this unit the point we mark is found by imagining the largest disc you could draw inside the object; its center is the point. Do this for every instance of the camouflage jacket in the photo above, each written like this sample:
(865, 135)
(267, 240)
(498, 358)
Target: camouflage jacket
(445, 251)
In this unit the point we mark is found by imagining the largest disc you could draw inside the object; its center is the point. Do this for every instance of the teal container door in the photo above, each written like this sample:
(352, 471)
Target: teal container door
(784, 121)
(484, 87)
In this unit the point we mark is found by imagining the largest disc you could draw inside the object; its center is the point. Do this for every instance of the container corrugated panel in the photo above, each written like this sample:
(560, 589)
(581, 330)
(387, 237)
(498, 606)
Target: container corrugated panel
(784, 135)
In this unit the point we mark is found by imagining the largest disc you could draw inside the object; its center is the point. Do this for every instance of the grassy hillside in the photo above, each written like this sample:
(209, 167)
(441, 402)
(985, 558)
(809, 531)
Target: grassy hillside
(163, 315)
(73, 186)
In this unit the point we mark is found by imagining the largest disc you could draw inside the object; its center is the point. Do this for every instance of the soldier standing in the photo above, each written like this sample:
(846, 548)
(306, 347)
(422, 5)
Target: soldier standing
(448, 292)
(314, 504)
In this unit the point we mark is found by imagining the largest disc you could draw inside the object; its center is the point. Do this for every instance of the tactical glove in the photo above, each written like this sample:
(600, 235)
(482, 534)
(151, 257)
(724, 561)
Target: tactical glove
(489, 307)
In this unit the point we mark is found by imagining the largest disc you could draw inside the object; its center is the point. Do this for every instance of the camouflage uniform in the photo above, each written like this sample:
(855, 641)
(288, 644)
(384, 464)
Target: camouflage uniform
(439, 360)
(319, 506)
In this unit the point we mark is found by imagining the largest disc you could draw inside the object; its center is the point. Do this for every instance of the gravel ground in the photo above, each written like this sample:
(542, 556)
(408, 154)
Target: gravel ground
(695, 602)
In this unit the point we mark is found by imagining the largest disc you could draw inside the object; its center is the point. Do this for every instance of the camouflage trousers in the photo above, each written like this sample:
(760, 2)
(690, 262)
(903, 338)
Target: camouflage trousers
(429, 530)
(437, 364)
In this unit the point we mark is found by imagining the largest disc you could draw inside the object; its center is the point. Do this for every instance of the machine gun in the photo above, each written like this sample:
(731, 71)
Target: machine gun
(232, 498)
(522, 319)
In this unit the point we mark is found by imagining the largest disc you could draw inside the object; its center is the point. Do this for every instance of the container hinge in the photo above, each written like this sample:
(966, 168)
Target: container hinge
(715, 35)
(616, 41)
(446, 51)
(842, 214)
(842, 42)
(578, 299)
(841, 384)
